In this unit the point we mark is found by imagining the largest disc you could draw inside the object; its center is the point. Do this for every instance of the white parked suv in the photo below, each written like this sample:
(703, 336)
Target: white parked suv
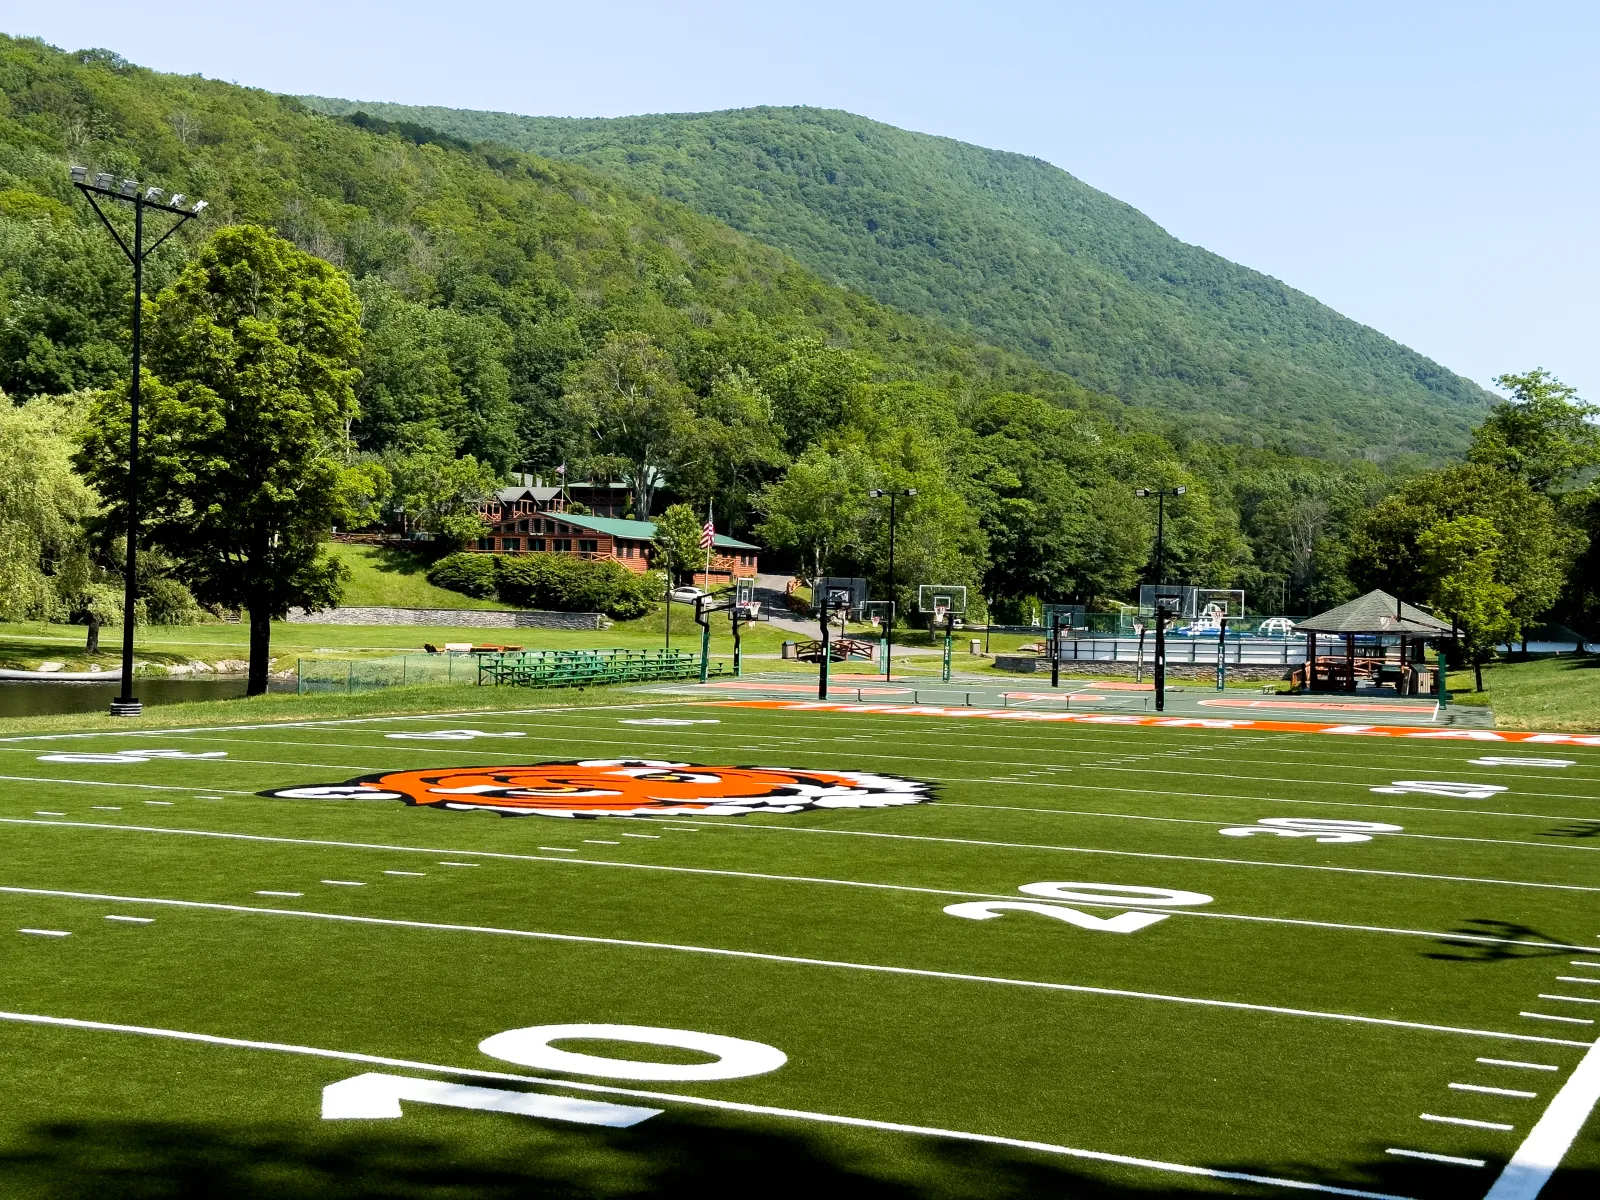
(687, 595)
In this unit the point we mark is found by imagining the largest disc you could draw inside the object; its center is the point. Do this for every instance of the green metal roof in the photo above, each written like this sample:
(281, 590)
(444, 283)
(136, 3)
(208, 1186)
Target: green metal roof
(642, 531)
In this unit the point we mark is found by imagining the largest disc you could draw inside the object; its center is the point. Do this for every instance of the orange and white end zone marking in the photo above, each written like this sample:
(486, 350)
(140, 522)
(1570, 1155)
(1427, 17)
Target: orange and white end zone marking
(1032, 714)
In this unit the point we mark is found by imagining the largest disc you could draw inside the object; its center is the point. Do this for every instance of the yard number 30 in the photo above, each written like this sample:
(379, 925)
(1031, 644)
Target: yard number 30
(1097, 894)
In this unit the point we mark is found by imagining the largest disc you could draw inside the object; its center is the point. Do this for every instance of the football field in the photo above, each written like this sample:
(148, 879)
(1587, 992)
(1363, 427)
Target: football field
(790, 950)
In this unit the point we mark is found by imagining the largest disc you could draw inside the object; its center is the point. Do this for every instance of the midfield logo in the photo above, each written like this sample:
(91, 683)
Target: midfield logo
(613, 787)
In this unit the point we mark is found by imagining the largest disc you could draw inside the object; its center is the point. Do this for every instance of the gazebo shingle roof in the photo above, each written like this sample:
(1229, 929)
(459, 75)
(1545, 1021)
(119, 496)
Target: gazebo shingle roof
(1376, 613)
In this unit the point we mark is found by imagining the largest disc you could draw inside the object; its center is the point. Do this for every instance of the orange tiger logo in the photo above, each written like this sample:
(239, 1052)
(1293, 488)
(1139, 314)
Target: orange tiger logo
(612, 787)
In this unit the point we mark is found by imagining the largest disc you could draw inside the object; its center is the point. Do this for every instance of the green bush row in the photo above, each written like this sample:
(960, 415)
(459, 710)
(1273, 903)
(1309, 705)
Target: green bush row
(553, 582)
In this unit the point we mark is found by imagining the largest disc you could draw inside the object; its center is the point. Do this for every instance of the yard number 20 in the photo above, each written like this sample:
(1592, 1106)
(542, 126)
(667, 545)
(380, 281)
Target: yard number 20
(1097, 894)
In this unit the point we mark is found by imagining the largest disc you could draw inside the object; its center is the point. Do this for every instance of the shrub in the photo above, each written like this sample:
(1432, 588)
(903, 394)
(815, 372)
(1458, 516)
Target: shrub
(562, 584)
(469, 574)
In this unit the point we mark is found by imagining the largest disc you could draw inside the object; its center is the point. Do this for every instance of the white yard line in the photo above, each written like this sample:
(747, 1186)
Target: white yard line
(1452, 1159)
(1236, 862)
(710, 740)
(1548, 1141)
(698, 1102)
(1494, 1091)
(770, 877)
(1433, 837)
(1499, 1125)
(795, 960)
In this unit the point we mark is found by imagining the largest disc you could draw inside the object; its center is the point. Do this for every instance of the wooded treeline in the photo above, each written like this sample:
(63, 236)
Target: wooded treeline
(517, 314)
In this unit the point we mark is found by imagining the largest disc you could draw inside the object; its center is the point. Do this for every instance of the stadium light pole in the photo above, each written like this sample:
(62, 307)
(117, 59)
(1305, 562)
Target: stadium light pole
(888, 629)
(127, 192)
(1161, 495)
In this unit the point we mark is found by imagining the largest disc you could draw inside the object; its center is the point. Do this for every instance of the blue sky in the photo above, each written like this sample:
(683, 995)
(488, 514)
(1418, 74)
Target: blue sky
(1430, 169)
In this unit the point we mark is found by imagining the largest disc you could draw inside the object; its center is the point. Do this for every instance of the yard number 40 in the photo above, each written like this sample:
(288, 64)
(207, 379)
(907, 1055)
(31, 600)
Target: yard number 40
(1097, 894)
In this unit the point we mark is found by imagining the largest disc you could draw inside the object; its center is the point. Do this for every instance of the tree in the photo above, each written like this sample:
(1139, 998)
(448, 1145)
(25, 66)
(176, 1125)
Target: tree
(1542, 435)
(433, 490)
(1458, 558)
(635, 408)
(732, 448)
(1534, 551)
(819, 507)
(252, 354)
(677, 539)
(43, 507)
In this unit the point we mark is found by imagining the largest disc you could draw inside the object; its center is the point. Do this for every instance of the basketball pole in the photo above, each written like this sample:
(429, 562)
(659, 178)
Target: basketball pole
(1055, 649)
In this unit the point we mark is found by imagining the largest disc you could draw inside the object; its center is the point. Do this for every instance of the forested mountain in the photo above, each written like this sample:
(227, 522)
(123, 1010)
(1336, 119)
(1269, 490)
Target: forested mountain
(1025, 256)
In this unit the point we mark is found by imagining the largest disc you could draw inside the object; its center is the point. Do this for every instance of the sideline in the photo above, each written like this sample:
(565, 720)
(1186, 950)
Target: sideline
(797, 960)
(793, 1114)
(1549, 1140)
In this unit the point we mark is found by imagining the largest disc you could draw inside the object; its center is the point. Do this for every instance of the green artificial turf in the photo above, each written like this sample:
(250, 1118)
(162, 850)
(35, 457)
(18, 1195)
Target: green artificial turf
(1194, 1041)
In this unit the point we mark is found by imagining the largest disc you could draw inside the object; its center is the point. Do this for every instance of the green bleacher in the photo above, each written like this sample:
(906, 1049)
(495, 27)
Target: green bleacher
(584, 668)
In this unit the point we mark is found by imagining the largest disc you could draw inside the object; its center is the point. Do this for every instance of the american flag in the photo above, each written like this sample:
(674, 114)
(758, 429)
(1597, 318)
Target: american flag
(708, 533)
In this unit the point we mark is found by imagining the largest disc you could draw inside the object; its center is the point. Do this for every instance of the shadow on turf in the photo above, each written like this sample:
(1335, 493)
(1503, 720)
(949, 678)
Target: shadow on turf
(1465, 951)
(511, 1157)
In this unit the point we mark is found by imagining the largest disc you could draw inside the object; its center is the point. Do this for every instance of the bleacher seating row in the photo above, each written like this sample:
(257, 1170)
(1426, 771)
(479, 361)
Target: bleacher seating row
(584, 668)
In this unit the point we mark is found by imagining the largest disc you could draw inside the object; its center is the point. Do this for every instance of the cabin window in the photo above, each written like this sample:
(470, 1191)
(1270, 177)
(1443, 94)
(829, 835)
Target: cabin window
(564, 545)
(535, 543)
(511, 544)
(588, 545)
(485, 543)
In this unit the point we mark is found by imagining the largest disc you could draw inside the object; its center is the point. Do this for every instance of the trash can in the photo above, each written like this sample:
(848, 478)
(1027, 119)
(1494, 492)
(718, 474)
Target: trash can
(788, 649)
(976, 647)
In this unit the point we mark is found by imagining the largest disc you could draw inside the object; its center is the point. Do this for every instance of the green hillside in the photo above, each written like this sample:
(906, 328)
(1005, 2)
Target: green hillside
(542, 259)
(1020, 254)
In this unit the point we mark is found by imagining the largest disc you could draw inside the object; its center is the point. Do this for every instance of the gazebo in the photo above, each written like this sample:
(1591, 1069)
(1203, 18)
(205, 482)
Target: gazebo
(1377, 619)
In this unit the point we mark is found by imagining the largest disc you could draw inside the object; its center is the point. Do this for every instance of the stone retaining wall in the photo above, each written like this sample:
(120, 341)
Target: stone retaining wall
(466, 618)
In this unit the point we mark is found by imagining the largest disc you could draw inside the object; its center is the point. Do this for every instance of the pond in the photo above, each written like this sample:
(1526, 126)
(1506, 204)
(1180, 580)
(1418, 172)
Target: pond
(27, 698)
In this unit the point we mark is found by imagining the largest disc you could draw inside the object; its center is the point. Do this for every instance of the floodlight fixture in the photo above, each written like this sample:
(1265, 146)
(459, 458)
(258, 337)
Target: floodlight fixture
(136, 250)
(1161, 495)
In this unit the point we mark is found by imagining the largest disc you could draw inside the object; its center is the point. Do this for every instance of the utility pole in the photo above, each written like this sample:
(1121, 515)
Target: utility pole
(127, 192)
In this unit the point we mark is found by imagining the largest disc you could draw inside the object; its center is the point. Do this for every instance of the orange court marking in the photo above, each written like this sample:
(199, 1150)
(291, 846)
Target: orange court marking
(1505, 736)
(1320, 705)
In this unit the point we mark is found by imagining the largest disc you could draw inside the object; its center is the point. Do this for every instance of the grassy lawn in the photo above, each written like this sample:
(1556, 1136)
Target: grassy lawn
(1274, 954)
(1548, 693)
(385, 578)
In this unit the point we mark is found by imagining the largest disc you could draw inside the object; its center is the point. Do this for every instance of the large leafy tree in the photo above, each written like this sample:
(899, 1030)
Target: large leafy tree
(1543, 435)
(43, 506)
(248, 396)
(1531, 558)
(1459, 559)
(636, 409)
(820, 507)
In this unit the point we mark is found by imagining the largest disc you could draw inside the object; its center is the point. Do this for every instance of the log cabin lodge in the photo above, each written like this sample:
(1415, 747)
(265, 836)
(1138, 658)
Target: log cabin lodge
(532, 519)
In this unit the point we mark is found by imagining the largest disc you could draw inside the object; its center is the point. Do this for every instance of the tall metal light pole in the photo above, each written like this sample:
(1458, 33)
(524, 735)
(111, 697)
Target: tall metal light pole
(127, 192)
(888, 629)
(1161, 495)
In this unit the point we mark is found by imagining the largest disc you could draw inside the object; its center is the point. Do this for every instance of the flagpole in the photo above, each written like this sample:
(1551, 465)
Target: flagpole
(711, 537)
